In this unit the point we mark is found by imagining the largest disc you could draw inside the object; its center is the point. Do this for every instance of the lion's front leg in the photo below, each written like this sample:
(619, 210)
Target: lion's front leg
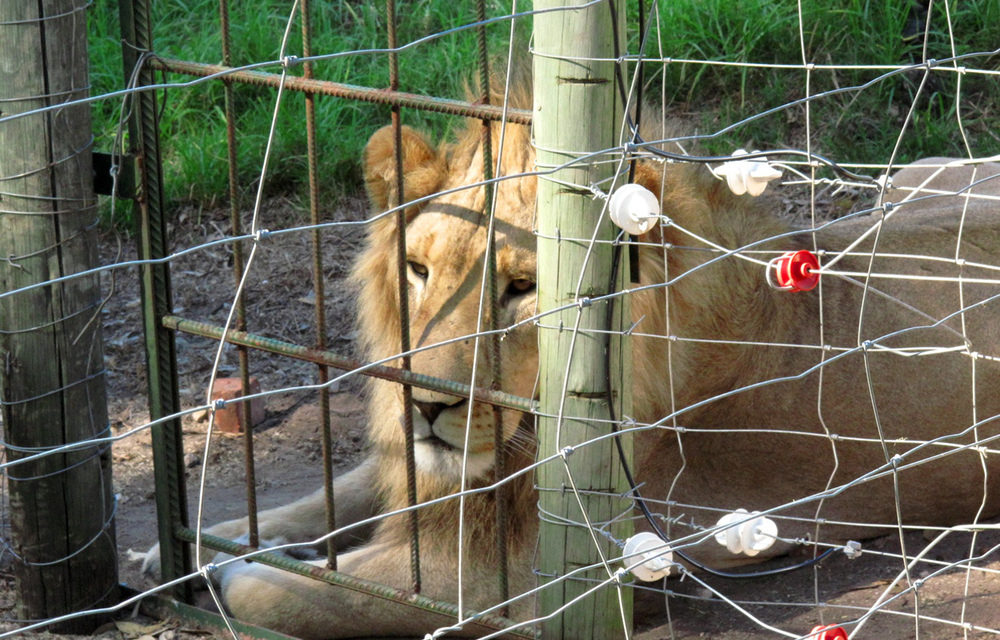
(305, 519)
(307, 608)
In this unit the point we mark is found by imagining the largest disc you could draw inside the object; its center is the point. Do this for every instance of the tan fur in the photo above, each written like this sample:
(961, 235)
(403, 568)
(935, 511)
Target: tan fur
(734, 453)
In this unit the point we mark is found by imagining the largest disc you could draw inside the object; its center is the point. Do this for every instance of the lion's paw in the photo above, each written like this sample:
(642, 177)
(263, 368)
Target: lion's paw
(150, 561)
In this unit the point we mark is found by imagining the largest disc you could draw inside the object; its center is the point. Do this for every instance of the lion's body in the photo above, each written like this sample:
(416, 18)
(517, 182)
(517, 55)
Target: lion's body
(729, 331)
(919, 397)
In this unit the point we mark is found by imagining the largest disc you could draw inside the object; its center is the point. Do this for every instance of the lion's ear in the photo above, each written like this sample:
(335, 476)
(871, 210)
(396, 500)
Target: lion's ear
(423, 168)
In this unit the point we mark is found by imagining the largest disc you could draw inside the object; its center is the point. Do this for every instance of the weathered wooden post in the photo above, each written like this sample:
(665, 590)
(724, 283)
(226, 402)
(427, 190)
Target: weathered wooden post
(51, 358)
(577, 110)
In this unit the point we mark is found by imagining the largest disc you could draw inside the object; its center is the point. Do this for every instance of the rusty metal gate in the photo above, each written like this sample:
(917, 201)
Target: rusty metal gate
(161, 325)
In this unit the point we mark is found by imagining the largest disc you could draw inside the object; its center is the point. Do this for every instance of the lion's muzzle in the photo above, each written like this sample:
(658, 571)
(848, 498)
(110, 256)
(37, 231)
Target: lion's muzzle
(454, 426)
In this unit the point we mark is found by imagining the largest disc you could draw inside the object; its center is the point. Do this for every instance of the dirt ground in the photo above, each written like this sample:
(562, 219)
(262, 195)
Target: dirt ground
(280, 304)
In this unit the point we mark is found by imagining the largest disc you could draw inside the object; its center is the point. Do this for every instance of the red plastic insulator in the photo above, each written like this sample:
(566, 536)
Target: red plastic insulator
(828, 632)
(796, 271)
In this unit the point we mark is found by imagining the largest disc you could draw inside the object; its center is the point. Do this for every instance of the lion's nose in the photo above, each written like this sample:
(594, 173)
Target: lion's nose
(430, 410)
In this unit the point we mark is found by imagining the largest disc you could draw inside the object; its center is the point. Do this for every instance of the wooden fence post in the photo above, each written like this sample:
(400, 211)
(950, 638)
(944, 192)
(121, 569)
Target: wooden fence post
(51, 358)
(577, 110)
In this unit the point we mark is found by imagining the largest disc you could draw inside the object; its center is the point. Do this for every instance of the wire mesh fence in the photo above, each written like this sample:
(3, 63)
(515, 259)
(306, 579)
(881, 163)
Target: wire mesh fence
(809, 329)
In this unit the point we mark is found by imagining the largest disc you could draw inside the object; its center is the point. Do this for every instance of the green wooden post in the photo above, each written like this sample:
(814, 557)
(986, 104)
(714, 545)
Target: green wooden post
(51, 352)
(577, 110)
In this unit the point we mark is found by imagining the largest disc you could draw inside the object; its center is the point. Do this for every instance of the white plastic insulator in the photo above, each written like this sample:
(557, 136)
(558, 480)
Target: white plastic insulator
(748, 176)
(634, 208)
(852, 549)
(750, 537)
(648, 557)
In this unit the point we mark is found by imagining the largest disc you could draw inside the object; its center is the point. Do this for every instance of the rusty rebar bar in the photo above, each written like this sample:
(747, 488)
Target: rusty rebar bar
(245, 417)
(309, 354)
(341, 90)
(319, 295)
(492, 298)
(404, 303)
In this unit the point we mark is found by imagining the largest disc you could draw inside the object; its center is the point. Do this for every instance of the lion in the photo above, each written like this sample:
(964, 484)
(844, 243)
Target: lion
(818, 398)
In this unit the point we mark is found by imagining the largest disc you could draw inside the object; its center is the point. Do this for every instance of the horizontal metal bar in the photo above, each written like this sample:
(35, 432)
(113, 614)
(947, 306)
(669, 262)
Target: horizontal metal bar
(360, 585)
(309, 354)
(340, 90)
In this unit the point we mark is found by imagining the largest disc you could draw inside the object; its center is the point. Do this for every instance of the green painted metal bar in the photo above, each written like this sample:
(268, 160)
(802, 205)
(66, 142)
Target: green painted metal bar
(338, 89)
(286, 563)
(153, 244)
(496, 398)
(162, 608)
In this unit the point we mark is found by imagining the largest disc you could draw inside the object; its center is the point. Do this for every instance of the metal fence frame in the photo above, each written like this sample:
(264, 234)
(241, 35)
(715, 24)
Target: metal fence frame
(160, 325)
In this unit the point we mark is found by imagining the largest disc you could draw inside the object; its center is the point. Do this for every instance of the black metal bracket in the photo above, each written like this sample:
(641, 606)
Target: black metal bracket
(104, 179)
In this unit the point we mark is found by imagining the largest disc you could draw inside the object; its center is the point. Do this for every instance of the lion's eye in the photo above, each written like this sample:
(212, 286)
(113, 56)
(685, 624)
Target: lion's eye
(418, 269)
(520, 287)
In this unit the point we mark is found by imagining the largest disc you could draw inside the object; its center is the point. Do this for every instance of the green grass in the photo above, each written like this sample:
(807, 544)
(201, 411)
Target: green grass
(193, 125)
(857, 127)
(853, 126)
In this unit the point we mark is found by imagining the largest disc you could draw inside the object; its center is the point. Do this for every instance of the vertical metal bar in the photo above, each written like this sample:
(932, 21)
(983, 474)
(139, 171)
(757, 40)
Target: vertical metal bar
(161, 357)
(493, 295)
(404, 303)
(246, 421)
(633, 245)
(318, 289)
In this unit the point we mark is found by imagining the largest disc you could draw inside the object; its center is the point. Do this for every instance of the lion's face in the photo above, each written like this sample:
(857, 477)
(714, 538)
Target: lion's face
(446, 242)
